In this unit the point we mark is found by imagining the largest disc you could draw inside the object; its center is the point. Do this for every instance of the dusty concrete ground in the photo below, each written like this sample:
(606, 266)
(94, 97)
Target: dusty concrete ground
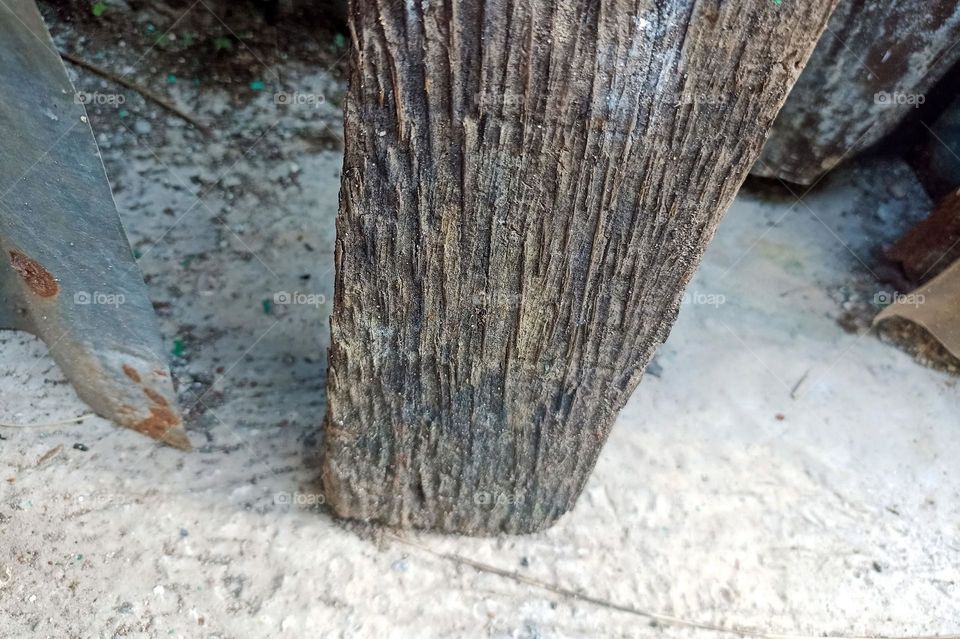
(773, 471)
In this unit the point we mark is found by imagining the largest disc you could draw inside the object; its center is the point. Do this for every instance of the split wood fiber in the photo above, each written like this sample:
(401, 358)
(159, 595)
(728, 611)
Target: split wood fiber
(528, 186)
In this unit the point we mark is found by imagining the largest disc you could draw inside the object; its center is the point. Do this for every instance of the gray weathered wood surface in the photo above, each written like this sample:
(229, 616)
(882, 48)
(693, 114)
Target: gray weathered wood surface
(528, 187)
(876, 61)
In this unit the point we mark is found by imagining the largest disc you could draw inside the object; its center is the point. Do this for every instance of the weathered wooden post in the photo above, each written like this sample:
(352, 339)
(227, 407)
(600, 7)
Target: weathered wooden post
(527, 188)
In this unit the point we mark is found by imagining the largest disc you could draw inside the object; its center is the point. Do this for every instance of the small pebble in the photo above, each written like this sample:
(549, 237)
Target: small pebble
(80, 446)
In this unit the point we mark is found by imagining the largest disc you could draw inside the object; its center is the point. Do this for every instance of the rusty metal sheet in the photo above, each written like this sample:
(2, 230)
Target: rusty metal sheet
(933, 244)
(67, 273)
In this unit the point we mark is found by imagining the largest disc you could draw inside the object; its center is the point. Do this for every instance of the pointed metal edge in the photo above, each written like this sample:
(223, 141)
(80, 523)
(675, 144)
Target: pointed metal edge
(96, 351)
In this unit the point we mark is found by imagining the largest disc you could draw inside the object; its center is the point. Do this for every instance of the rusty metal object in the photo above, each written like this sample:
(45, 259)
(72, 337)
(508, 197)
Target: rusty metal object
(933, 244)
(873, 66)
(67, 273)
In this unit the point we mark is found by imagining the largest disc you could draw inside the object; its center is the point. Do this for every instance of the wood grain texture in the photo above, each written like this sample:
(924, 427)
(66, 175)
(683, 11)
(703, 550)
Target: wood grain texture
(875, 62)
(528, 186)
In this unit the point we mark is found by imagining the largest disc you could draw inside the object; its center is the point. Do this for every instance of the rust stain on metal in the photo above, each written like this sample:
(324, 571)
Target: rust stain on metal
(162, 423)
(131, 372)
(37, 278)
(155, 397)
(158, 422)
